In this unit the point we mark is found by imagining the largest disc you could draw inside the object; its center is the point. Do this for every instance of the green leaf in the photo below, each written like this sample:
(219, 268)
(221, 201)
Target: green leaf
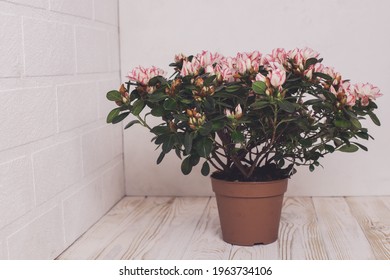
(218, 125)
(306, 143)
(323, 76)
(194, 160)
(205, 169)
(161, 139)
(206, 128)
(186, 101)
(311, 167)
(313, 101)
(342, 123)
(160, 157)
(170, 104)
(310, 61)
(287, 106)
(158, 111)
(329, 148)
(132, 123)
(259, 104)
(180, 117)
(356, 123)
(361, 146)
(188, 138)
(120, 117)
(374, 118)
(209, 104)
(186, 166)
(204, 147)
(233, 88)
(237, 137)
(348, 148)
(168, 143)
(160, 129)
(209, 80)
(156, 97)
(138, 106)
(155, 80)
(114, 95)
(259, 87)
(115, 112)
(363, 135)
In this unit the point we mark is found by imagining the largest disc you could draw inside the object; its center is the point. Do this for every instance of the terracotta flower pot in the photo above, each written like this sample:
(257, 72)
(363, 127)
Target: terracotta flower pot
(249, 212)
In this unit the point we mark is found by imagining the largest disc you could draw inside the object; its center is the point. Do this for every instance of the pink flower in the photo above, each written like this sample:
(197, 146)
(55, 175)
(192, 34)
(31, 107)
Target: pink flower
(296, 56)
(318, 67)
(309, 73)
(248, 61)
(142, 75)
(278, 55)
(277, 77)
(227, 74)
(367, 92)
(309, 53)
(210, 70)
(260, 77)
(179, 57)
(237, 114)
(190, 68)
(207, 58)
(349, 91)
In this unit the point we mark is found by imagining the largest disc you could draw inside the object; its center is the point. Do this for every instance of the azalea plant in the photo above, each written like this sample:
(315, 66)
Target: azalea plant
(252, 117)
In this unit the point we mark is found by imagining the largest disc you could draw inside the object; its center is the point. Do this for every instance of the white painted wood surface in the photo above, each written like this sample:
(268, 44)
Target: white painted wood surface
(188, 228)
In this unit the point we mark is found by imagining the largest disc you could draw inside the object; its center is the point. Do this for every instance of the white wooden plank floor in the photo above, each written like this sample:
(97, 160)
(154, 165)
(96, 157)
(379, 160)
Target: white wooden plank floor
(188, 228)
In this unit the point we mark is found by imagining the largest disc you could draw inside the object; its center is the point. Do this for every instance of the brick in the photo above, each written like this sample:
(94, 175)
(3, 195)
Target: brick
(97, 148)
(83, 8)
(113, 186)
(117, 138)
(105, 106)
(16, 189)
(49, 48)
(77, 105)
(82, 210)
(113, 46)
(44, 4)
(106, 11)
(43, 238)
(92, 50)
(57, 168)
(10, 46)
(26, 115)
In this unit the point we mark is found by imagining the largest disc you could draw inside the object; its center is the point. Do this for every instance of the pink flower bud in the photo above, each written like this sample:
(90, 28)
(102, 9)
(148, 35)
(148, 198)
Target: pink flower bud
(260, 77)
(277, 77)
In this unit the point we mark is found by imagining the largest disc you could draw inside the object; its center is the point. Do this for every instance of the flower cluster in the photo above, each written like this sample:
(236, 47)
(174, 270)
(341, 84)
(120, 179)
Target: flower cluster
(275, 67)
(253, 116)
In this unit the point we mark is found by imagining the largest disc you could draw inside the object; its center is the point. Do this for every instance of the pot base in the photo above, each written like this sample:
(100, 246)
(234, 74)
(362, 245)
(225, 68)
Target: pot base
(249, 212)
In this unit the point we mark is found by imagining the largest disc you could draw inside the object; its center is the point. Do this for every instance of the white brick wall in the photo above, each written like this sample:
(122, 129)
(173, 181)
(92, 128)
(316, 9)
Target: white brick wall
(61, 165)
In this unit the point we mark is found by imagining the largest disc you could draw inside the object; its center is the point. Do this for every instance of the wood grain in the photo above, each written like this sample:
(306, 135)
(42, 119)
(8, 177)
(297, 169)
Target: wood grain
(189, 228)
(299, 236)
(343, 237)
(373, 216)
(98, 237)
(206, 241)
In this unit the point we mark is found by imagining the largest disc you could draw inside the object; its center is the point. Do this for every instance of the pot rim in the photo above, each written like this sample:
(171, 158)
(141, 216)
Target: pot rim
(249, 189)
(248, 182)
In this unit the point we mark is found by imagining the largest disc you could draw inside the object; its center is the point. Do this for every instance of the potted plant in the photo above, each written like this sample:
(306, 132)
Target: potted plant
(251, 118)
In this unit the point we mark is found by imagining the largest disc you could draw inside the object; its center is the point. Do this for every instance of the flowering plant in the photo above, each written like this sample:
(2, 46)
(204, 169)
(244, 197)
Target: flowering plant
(252, 117)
